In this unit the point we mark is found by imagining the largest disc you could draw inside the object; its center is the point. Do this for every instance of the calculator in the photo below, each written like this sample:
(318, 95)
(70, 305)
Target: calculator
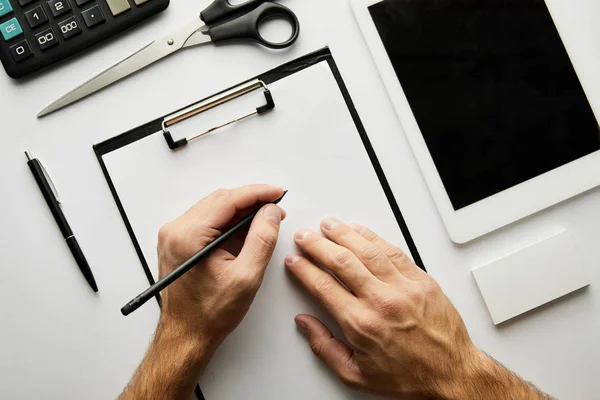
(37, 33)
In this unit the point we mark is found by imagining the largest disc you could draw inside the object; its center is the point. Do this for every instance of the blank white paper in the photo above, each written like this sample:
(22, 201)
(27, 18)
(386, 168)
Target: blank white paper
(308, 145)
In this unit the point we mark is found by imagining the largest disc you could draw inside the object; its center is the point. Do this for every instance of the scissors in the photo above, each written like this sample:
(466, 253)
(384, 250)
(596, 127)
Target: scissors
(220, 21)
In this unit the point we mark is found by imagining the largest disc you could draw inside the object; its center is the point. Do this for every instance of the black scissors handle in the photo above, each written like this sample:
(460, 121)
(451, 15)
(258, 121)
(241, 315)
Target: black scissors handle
(243, 24)
(223, 10)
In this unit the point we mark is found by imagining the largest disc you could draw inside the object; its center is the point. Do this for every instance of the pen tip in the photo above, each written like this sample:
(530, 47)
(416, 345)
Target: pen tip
(281, 198)
(28, 156)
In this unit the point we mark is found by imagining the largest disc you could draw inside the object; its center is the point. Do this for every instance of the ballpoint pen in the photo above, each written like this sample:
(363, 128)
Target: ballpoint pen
(51, 195)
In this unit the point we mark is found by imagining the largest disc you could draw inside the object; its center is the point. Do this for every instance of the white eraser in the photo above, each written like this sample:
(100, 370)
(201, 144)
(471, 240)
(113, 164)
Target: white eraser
(530, 277)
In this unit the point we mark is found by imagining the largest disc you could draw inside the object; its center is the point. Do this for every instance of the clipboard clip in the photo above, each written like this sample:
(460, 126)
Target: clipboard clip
(210, 103)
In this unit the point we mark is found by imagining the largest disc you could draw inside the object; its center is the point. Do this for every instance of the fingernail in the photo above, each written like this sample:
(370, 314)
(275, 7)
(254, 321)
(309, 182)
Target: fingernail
(358, 228)
(273, 214)
(302, 327)
(291, 258)
(330, 223)
(302, 234)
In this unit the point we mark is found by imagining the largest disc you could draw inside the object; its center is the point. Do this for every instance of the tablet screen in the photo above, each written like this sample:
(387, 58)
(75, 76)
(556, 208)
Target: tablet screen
(492, 88)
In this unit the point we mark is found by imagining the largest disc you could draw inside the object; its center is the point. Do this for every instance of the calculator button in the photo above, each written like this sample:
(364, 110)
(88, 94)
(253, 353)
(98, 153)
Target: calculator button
(117, 6)
(25, 2)
(140, 2)
(69, 28)
(59, 7)
(21, 51)
(5, 7)
(93, 16)
(11, 29)
(46, 39)
(36, 17)
(82, 2)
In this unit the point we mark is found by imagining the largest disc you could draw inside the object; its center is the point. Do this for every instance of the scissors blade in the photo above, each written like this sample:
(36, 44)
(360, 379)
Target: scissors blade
(201, 36)
(141, 59)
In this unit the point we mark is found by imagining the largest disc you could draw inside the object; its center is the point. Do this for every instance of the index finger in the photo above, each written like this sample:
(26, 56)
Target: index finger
(218, 209)
(207, 220)
(330, 293)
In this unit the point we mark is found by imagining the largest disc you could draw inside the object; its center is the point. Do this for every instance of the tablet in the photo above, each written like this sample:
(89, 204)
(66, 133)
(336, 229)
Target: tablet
(491, 103)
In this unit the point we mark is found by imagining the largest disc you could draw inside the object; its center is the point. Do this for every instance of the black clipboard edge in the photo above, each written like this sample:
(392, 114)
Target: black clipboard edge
(130, 231)
(377, 166)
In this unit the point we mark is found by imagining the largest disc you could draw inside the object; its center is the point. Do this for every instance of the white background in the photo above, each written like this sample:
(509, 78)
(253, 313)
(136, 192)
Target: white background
(59, 341)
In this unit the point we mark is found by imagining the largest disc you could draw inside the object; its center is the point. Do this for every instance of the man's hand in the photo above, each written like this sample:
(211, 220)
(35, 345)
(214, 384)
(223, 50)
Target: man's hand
(207, 303)
(405, 339)
(211, 300)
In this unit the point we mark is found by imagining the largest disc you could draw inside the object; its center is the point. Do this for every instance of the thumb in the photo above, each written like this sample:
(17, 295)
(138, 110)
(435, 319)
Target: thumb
(334, 353)
(261, 239)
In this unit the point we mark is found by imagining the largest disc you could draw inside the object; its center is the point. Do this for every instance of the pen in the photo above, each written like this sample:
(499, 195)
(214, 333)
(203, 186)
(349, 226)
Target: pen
(172, 276)
(51, 195)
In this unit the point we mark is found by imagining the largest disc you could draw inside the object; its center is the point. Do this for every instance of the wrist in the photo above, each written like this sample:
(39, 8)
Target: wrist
(480, 376)
(172, 366)
(193, 349)
(472, 373)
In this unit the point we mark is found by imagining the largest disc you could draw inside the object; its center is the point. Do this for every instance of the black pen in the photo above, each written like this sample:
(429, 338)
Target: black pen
(172, 276)
(50, 194)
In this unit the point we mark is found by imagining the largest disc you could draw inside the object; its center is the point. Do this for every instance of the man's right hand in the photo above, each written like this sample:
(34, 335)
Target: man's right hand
(207, 303)
(406, 340)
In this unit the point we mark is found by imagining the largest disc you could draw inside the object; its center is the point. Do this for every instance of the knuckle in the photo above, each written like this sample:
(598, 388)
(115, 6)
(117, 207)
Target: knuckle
(221, 195)
(266, 239)
(363, 326)
(171, 238)
(431, 288)
(204, 234)
(370, 254)
(342, 258)
(164, 234)
(396, 254)
(368, 326)
(323, 284)
(389, 306)
(318, 348)
(417, 296)
(368, 234)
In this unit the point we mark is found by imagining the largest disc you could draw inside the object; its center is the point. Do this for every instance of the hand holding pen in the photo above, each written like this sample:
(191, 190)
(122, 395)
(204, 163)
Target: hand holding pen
(215, 295)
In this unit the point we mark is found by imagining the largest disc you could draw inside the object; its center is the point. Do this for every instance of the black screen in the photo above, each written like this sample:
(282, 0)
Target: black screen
(492, 89)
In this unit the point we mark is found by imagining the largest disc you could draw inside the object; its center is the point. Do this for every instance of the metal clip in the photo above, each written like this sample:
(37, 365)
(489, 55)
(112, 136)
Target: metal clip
(208, 104)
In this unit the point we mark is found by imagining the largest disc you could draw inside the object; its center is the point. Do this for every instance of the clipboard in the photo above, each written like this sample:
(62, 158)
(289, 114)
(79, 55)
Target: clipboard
(294, 126)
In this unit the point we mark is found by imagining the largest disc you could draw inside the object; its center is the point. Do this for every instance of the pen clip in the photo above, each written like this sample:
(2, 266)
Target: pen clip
(49, 180)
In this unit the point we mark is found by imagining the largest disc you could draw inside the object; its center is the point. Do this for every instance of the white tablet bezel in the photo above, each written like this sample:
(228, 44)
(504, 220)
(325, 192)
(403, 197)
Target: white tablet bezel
(500, 209)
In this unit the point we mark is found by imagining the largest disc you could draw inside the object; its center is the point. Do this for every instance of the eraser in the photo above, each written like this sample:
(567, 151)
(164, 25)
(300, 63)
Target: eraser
(528, 278)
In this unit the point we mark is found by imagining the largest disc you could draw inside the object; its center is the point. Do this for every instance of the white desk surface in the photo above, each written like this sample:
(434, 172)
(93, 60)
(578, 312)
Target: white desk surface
(59, 341)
